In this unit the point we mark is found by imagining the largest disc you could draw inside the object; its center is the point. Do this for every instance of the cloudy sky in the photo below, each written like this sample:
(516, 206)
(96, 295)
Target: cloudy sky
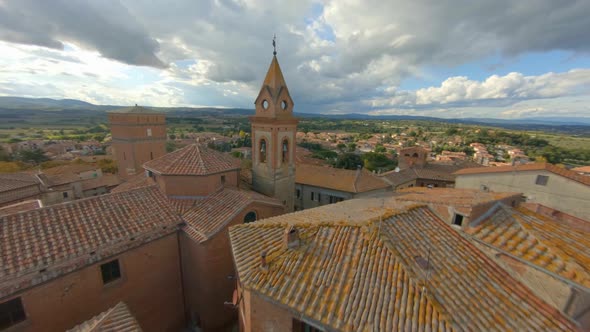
(445, 58)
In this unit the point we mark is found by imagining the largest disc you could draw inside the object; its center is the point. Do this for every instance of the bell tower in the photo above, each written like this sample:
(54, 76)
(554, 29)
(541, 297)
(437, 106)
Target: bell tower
(273, 138)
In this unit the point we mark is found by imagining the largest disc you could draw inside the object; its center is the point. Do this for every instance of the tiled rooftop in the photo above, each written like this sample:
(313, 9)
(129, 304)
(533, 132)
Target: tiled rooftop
(134, 182)
(430, 171)
(451, 196)
(352, 181)
(15, 186)
(107, 180)
(42, 244)
(572, 175)
(21, 206)
(136, 109)
(64, 174)
(546, 243)
(209, 215)
(371, 276)
(194, 159)
(117, 318)
(12, 181)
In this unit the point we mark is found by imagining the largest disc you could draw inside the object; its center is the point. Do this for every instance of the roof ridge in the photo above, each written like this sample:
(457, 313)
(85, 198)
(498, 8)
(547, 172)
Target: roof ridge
(102, 318)
(80, 200)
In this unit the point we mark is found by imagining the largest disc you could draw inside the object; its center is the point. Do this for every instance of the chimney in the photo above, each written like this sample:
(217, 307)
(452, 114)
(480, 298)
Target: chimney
(263, 263)
(291, 237)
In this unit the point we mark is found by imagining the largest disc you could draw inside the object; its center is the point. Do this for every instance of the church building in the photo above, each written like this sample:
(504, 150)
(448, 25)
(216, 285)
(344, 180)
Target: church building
(156, 249)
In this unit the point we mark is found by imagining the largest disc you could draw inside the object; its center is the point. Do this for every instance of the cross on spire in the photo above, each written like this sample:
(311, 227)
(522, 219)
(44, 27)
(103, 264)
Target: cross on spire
(274, 44)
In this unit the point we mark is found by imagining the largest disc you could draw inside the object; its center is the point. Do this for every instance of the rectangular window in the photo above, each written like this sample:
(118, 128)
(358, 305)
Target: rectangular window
(65, 194)
(319, 197)
(335, 199)
(299, 326)
(312, 196)
(222, 179)
(11, 313)
(458, 220)
(149, 131)
(110, 271)
(542, 180)
(298, 193)
(151, 155)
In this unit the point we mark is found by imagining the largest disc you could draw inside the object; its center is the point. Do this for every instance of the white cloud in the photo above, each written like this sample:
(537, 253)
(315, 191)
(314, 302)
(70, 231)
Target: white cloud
(336, 54)
(495, 90)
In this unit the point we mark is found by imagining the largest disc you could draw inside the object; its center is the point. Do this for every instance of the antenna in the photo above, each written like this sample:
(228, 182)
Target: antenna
(424, 288)
(381, 217)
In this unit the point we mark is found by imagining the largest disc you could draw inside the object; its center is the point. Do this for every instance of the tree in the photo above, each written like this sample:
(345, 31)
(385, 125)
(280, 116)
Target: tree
(35, 156)
(378, 162)
(108, 165)
(10, 166)
(380, 148)
(341, 147)
(348, 161)
(4, 155)
(351, 147)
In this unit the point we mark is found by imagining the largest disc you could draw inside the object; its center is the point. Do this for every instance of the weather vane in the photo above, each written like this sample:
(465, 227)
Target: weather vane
(274, 44)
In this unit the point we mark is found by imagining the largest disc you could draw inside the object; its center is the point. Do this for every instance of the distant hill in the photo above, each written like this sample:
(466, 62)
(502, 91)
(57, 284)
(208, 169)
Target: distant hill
(20, 105)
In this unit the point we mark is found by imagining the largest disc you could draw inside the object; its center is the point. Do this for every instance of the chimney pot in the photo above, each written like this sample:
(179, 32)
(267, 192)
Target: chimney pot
(263, 263)
(291, 237)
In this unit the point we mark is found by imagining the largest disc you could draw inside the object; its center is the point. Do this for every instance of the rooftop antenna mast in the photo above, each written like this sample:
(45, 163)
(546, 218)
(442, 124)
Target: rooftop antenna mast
(381, 217)
(428, 269)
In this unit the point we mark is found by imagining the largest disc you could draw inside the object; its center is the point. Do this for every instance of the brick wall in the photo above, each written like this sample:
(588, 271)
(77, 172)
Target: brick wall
(174, 185)
(150, 285)
(206, 267)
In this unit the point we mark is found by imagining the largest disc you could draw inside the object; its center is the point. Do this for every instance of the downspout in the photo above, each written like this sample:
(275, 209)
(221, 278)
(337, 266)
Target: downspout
(181, 275)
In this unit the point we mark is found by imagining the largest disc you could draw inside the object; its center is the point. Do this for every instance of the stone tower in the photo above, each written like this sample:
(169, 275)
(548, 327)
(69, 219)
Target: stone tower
(273, 139)
(139, 135)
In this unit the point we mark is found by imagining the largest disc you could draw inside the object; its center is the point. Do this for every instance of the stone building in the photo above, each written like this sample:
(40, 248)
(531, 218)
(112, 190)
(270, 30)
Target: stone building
(19, 187)
(321, 185)
(541, 183)
(429, 174)
(379, 264)
(139, 135)
(412, 157)
(273, 139)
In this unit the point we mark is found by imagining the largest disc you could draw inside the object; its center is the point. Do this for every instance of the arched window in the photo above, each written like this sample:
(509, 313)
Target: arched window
(415, 155)
(250, 217)
(262, 150)
(285, 151)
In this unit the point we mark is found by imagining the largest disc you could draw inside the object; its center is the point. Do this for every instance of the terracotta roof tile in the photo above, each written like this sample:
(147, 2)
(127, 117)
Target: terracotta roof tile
(136, 109)
(20, 207)
(546, 243)
(430, 171)
(352, 181)
(572, 175)
(107, 180)
(134, 182)
(370, 276)
(209, 215)
(42, 244)
(17, 186)
(452, 196)
(193, 159)
(118, 318)
(583, 169)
